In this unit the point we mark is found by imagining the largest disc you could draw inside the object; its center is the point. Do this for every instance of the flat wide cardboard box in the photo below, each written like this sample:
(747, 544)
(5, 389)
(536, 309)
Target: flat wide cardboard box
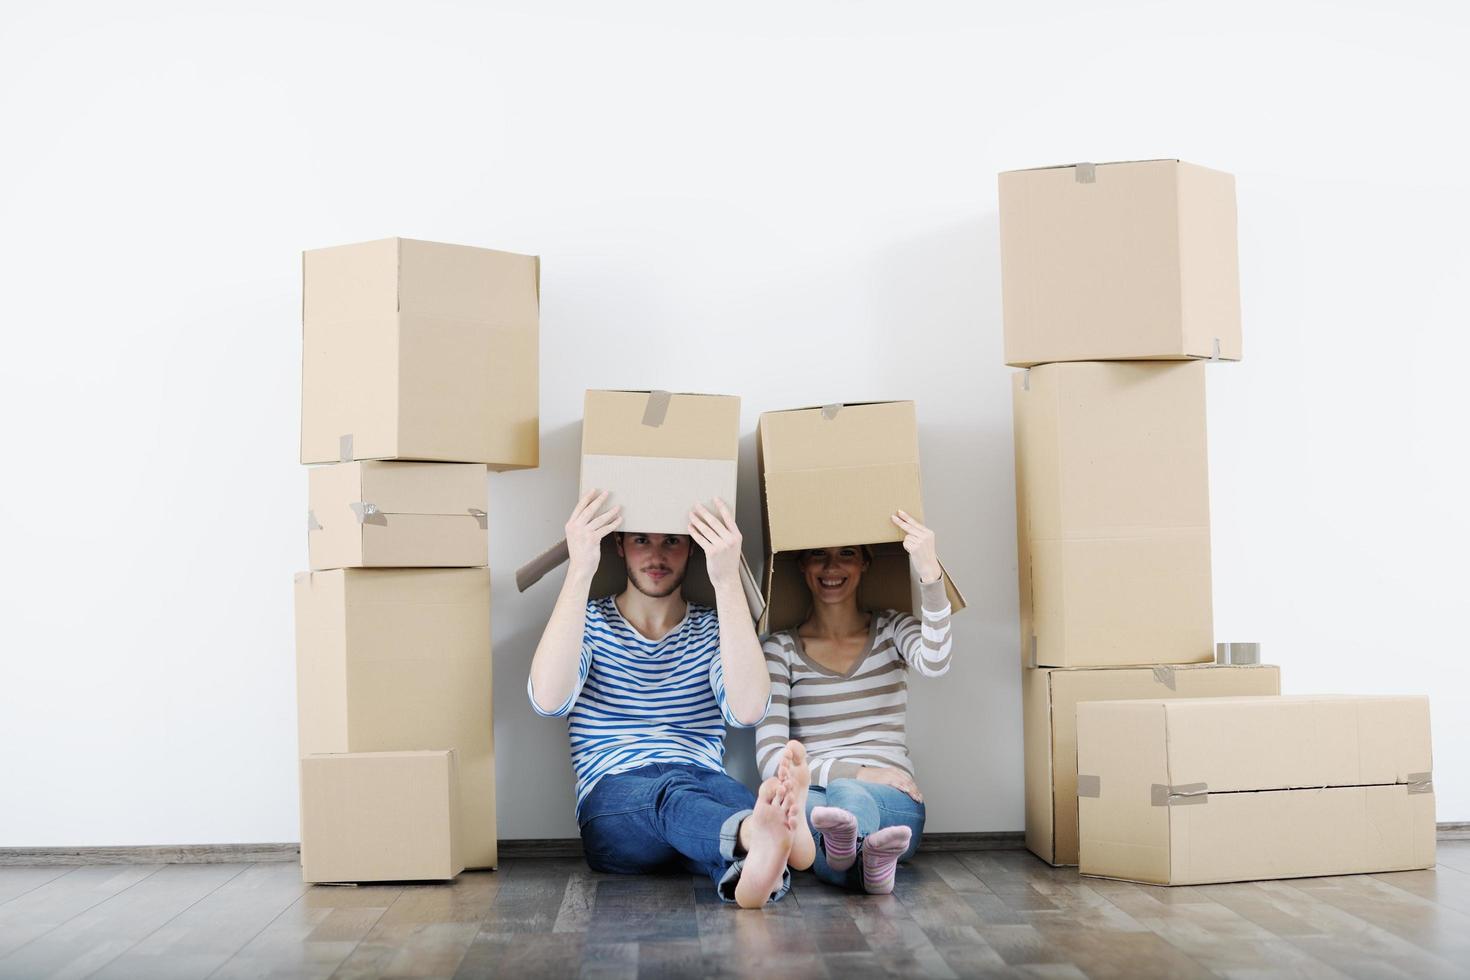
(419, 350)
(380, 816)
(1049, 709)
(834, 475)
(1189, 792)
(391, 660)
(657, 453)
(1119, 261)
(375, 514)
(1113, 514)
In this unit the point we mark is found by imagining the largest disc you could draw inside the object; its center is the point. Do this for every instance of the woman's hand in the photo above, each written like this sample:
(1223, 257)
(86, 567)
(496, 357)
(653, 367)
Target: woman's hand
(719, 537)
(586, 528)
(889, 776)
(918, 541)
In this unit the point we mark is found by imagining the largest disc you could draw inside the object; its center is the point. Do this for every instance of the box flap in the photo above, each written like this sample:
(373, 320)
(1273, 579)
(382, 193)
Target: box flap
(1248, 744)
(658, 493)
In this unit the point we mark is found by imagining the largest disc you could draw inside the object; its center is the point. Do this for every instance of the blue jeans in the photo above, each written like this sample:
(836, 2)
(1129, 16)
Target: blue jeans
(665, 816)
(876, 805)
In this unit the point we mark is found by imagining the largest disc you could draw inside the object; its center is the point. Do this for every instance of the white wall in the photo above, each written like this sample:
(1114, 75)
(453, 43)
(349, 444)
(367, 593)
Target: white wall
(795, 203)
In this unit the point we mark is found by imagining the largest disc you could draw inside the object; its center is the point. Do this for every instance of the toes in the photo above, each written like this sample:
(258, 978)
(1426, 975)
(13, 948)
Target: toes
(768, 790)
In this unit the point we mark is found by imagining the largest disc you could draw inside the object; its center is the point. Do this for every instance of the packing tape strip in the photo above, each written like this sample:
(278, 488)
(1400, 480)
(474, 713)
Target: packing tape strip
(1185, 794)
(829, 412)
(1031, 657)
(656, 408)
(367, 513)
(1089, 786)
(1165, 676)
(1237, 653)
(344, 448)
(480, 516)
(534, 570)
(312, 524)
(1421, 782)
(1025, 379)
(1086, 173)
(1216, 355)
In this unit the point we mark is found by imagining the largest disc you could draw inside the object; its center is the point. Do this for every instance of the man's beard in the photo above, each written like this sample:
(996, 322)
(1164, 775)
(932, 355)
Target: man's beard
(670, 585)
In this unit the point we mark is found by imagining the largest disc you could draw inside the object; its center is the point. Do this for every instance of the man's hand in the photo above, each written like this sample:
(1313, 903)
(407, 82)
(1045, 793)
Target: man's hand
(718, 536)
(890, 776)
(918, 541)
(586, 528)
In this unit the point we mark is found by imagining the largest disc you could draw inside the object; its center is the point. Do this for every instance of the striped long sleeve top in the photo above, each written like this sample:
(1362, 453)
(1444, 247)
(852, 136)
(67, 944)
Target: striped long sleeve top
(856, 719)
(639, 701)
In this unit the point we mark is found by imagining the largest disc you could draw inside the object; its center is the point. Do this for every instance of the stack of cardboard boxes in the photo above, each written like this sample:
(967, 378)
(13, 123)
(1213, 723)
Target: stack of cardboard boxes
(1118, 281)
(419, 371)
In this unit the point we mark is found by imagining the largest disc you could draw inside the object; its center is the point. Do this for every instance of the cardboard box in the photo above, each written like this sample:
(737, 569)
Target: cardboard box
(417, 350)
(657, 453)
(832, 476)
(393, 660)
(1119, 261)
(1049, 710)
(380, 816)
(403, 515)
(1113, 514)
(1187, 792)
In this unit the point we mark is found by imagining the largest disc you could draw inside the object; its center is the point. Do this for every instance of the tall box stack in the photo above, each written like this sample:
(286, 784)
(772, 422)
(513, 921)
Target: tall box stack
(1118, 280)
(419, 371)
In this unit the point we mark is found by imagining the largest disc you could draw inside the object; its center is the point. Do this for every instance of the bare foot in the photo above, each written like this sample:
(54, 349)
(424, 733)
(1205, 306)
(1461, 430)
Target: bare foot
(766, 836)
(795, 771)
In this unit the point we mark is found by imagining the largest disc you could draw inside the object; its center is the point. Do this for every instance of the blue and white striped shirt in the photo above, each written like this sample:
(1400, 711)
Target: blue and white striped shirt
(639, 701)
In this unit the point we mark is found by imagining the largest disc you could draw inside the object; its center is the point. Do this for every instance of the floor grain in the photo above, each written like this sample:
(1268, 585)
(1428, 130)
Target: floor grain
(990, 913)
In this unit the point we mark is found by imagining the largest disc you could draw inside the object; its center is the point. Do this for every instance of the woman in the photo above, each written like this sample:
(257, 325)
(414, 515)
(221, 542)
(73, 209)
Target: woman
(839, 684)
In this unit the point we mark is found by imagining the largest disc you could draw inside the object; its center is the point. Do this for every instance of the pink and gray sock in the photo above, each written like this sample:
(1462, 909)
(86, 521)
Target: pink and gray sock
(881, 851)
(839, 830)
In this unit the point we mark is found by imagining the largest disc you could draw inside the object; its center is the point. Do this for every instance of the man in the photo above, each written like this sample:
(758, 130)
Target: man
(649, 682)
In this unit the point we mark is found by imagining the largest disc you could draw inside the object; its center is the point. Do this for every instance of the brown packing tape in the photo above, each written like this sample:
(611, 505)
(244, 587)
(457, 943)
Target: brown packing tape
(344, 448)
(480, 516)
(1089, 786)
(1421, 782)
(829, 412)
(535, 570)
(656, 408)
(1185, 794)
(1086, 173)
(1165, 676)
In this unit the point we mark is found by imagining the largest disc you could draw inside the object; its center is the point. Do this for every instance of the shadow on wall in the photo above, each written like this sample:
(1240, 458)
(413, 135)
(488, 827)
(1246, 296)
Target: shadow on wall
(535, 790)
(941, 293)
(932, 321)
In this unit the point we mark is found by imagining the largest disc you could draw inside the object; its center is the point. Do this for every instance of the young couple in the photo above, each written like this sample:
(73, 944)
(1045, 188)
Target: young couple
(649, 682)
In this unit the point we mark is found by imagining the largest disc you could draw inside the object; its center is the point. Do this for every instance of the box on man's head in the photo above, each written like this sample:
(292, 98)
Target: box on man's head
(657, 454)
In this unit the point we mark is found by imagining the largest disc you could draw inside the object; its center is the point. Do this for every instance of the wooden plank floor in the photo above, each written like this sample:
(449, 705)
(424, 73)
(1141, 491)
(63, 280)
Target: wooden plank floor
(964, 914)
